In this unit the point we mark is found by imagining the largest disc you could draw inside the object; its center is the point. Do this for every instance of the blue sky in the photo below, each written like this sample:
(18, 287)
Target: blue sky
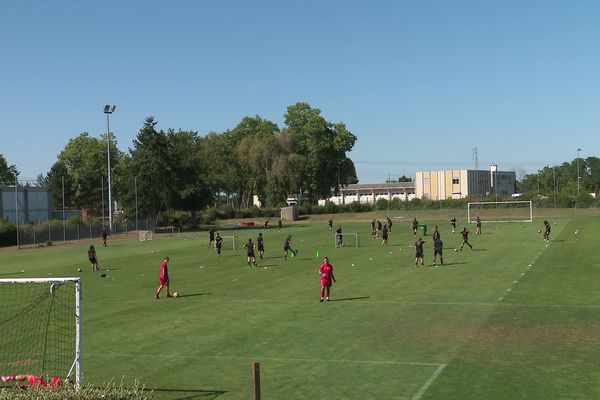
(421, 83)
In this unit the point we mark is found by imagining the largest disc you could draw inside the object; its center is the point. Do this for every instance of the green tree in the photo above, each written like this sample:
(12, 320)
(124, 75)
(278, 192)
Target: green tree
(83, 165)
(151, 163)
(324, 146)
(189, 189)
(8, 173)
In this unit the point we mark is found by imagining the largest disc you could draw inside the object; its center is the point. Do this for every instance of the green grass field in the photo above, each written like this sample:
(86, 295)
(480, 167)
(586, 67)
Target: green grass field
(486, 325)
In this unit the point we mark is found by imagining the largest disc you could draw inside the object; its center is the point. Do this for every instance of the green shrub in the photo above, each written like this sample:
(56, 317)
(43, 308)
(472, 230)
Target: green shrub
(8, 233)
(74, 220)
(108, 392)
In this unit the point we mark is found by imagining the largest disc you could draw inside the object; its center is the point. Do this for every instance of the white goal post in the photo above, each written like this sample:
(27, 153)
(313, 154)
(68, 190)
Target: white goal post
(348, 239)
(500, 211)
(229, 239)
(145, 235)
(40, 328)
(169, 231)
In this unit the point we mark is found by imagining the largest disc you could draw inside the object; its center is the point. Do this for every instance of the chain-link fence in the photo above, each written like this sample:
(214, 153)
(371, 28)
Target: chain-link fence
(47, 232)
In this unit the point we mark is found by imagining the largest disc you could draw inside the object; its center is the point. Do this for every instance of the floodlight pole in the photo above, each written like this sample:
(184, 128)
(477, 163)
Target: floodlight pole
(578, 177)
(109, 109)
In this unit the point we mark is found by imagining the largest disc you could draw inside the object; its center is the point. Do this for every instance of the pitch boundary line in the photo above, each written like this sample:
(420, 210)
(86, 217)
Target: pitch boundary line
(429, 382)
(274, 359)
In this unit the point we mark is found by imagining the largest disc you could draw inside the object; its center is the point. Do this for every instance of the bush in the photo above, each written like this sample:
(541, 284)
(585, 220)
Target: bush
(8, 233)
(108, 392)
(382, 204)
(74, 220)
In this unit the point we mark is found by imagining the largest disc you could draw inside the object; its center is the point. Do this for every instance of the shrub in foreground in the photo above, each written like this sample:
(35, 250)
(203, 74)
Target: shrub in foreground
(108, 392)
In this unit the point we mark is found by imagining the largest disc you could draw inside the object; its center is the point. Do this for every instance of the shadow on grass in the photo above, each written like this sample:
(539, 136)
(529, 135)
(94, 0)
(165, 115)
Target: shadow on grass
(194, 294)
(189, 394)
(351, 298)
(12, 273)
(451, 264)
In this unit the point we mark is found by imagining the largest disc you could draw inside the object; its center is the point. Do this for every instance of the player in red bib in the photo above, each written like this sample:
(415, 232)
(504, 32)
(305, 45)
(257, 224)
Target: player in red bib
(326, 272)
(33, 380)
(164, 277)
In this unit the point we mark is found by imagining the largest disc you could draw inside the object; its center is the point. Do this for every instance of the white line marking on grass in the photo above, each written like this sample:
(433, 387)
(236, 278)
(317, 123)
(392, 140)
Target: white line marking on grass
(274, 359)
(429, 382)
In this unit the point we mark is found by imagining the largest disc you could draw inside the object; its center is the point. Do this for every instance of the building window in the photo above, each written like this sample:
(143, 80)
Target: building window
(455, 181)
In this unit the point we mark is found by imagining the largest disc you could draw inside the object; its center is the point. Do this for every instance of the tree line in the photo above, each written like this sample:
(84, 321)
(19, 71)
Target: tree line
(558, 184)
(181, 170)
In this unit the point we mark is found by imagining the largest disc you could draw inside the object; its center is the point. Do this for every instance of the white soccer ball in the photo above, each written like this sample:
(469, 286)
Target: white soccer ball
(79, 270)
(353, 265)
(455, 249)
(539, 231)
(176, 294)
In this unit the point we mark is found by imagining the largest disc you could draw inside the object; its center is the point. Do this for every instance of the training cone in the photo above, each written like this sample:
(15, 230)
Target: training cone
(317, 254)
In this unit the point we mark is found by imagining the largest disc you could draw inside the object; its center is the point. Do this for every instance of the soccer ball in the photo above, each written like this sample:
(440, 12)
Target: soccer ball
(455, 249)
(79, 270)
(176, 294)
(539, 231)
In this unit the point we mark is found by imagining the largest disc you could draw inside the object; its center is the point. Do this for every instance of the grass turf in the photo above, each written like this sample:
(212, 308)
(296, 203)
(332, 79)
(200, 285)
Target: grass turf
(484, 325)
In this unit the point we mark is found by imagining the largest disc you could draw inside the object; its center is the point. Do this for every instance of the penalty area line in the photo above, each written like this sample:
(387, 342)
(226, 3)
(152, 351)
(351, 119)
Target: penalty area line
(273, 359)
(429, 382)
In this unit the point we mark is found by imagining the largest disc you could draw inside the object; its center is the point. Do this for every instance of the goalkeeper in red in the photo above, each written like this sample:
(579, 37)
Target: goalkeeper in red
(326, 273)
(33, 380)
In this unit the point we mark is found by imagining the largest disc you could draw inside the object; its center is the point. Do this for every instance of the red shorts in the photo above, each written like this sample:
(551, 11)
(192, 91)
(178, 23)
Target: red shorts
(164, 282)
(325, 282)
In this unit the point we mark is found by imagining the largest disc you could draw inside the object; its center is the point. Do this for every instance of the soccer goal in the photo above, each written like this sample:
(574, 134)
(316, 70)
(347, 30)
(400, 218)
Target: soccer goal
(229, 242)
(500, 211)
(146, 235)
(40, 328)
(347, 239)
(169, 231)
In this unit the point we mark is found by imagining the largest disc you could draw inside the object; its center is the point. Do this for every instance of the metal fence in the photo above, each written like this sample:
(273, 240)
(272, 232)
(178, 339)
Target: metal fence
(56, 231)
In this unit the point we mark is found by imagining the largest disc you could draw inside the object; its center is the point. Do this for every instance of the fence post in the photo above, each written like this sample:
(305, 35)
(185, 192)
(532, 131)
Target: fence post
(256, 375)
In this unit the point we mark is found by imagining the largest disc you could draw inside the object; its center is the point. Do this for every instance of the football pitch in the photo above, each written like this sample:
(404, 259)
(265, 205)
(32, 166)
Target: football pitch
(514, 318)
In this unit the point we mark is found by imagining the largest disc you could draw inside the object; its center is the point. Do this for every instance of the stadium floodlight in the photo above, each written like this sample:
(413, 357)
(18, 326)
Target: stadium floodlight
(578, 177)
(109, 109)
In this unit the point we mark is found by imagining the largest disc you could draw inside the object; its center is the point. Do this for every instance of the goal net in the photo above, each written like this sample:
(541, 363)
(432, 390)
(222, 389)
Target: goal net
(168, 231)
(146, 235)
(229, 242)
(40, 328)
(347, 239)
(500, 211)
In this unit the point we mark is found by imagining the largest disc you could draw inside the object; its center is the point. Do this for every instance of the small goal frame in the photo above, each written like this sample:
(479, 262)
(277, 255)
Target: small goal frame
(233, 241)
(76, 368)
(355, 234)
(145, 235)
(497, 203)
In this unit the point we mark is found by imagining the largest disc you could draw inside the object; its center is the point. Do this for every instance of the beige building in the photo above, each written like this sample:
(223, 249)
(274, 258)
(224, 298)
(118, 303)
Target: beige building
(457, 184)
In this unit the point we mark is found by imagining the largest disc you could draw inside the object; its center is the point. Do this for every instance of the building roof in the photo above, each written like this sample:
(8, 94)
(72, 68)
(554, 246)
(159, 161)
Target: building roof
(379, 186)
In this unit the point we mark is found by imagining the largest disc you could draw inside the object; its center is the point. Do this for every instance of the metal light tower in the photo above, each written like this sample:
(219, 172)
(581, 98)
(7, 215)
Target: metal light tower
(109, 109)
(578, 177)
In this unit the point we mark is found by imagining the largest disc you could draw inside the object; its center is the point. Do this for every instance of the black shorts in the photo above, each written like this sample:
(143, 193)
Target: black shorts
(286, 248)
(437, 252)
(419, 254)
(250, 254)
(261, 247)
(93, 260)
(385, 236)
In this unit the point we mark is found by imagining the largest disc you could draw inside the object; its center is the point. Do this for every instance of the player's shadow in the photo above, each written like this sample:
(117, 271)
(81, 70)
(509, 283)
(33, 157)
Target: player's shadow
(559, 240)
(451, 264)
(11, 273)
(194, 294)
(479, 249)
(351, 298)
(267, 265)
(189, 394)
